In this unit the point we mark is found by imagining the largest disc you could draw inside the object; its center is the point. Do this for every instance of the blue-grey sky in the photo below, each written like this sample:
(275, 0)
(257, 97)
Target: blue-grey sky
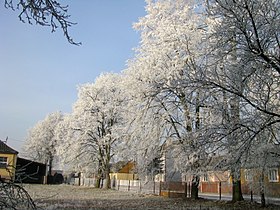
(40, 70)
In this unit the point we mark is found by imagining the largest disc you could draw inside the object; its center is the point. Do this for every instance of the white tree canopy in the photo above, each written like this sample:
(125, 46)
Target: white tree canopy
(170, 54)
(92, 132)
(41, 142)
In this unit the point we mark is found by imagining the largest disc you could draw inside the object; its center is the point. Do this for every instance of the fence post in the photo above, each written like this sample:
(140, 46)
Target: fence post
(220, 190)
(189, 189)
(154, 187)
(140, 186)
(119, 184)
(168, 190)
(128, 188)
(186, 190)
(159, 188)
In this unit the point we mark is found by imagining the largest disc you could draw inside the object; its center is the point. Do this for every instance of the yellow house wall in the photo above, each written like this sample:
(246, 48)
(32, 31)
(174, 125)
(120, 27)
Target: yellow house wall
(242, 176)
(123, 176)
(273, 188)
(9, 172)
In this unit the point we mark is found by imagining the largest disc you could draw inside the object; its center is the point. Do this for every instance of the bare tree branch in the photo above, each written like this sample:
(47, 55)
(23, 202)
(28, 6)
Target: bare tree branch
(45, 13)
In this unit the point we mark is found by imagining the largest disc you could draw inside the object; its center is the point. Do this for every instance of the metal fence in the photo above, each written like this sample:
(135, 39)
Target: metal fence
(146, 187)
(168, 189)
(177, 189)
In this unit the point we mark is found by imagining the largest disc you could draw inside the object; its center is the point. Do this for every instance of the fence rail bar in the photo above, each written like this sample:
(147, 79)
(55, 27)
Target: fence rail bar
(182, 189)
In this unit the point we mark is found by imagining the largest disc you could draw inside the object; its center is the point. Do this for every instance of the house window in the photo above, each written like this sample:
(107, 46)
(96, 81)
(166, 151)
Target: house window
(205, 178)
(3, 162)
(273, 175)
(248, 175)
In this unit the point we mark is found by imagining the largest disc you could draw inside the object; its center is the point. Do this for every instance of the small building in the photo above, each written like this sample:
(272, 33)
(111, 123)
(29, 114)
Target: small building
(216, 181)
(8, 160)
(28, 171)
(123, 171)
(168, 171)
(251, 181)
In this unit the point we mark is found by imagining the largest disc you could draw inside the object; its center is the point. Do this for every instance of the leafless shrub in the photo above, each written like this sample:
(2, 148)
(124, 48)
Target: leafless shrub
(13, 196)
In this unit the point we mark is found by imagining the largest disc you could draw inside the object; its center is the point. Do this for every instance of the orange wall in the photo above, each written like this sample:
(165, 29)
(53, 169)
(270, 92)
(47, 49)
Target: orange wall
(271, 188)
(127, 168)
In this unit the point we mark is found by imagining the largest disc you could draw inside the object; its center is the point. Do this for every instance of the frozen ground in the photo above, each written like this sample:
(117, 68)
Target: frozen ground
(48, 197)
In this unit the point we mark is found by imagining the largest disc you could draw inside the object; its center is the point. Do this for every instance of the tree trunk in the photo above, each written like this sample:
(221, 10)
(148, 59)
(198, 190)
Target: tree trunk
(236, 186)
(236, 191)
(99, 175)
(50, 165)
(194, 187)
(97, 182)
(107, 184)
(262, 189)
(195, 179)
(262, 199)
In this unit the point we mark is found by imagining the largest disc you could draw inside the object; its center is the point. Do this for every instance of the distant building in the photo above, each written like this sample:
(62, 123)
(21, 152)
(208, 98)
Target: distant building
(168, 172)
(28, 171)
(123, 171)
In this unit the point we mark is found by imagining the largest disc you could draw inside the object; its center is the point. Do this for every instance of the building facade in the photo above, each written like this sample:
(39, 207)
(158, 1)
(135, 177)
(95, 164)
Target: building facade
(8, 160)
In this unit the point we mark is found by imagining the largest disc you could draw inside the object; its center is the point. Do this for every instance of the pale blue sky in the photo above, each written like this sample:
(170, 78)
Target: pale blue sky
(40, 70)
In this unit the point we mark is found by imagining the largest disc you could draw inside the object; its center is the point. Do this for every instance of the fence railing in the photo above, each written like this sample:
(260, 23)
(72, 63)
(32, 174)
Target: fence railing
(168, 189)
(146, 187)
(172, 189)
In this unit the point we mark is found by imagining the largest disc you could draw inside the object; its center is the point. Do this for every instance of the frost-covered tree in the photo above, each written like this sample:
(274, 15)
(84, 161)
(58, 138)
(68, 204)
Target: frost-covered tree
(249, 31)
(45, 13)
(41, 143)
(202, 83)
(167, 107)
(94, 127)
(244, 67)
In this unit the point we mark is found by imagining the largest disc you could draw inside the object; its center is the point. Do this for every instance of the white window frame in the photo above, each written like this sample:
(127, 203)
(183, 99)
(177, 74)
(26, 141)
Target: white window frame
(3, 162)
(248, 175)
(273, 175)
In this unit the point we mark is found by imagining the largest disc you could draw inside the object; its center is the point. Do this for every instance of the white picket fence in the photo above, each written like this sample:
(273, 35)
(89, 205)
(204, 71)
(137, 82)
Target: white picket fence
(146, 187)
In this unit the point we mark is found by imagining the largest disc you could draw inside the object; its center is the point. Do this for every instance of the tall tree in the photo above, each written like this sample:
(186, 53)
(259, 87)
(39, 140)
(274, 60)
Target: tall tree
(170, 53)
(95, 125)
(244, 67)
(41, 143)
